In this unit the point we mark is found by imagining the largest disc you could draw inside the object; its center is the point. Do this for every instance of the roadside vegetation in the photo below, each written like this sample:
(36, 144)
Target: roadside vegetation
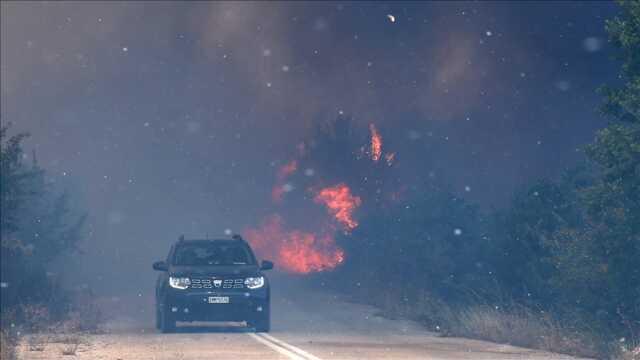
(37, 227)
(558, 269)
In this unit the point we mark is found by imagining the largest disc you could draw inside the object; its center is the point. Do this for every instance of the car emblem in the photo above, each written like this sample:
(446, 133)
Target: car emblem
(217, 283)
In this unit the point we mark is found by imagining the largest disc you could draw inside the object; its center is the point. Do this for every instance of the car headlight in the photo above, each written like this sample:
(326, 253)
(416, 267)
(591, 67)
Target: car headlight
(179, 282)
(254, 282)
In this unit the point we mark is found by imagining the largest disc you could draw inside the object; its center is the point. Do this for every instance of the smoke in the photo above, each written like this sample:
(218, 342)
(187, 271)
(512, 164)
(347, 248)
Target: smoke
(315, 249)
(174, 118)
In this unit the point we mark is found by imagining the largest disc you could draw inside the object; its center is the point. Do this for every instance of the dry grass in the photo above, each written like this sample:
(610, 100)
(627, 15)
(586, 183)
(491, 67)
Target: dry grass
(516, 325)
(86, 315)
(70, 349)
(630, 352)
(7, 346)
(36, 329)
(37, 342)
(40, 332)
(522, 327)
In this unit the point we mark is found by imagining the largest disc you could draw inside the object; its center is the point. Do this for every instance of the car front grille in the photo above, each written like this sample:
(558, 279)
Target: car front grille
(211, 283)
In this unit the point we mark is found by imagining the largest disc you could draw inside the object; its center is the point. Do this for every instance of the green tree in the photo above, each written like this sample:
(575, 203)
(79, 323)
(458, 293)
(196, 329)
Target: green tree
(623, 103)
(574, 245)
(597, 262)
(524, 231)
(37, 226)
(15, 181)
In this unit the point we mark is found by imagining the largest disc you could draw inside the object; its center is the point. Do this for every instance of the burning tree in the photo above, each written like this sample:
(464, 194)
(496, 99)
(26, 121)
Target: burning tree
(337, 168)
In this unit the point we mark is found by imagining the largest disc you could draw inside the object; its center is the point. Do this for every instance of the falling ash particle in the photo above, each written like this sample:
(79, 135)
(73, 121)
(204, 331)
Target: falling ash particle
(592, 44)
(563, 85)
(288, 187)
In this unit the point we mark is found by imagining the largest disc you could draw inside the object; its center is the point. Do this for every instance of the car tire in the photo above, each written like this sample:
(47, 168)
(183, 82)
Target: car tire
(167, 322)
(158, 319)
(262, 322)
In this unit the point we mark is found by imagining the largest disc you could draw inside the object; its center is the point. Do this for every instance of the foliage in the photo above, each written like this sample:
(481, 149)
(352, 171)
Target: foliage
(598, 260)
(406, 236)
(37, 226)
(623, 103)
(575, 245)
(611, 235)
(568, 247)
(433, 240)
(14, 181)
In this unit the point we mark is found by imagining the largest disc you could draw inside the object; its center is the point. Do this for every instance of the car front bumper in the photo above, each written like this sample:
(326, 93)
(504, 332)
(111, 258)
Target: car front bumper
(190, 305)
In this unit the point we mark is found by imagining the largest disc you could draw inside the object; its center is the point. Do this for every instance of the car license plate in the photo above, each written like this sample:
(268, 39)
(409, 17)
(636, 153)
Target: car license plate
(218, 299)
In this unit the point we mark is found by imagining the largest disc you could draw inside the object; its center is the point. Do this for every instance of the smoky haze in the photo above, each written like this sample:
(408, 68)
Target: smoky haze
(167, 118)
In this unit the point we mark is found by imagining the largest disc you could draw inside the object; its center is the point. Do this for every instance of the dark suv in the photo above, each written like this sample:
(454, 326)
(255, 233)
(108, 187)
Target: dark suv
(212, 280)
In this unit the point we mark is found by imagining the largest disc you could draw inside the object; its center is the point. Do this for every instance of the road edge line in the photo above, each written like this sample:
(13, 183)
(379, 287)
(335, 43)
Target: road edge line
(278, 348)
(289, 347)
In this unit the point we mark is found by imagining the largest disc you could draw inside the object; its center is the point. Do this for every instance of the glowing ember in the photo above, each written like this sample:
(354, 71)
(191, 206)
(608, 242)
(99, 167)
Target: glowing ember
(340, 203)
(376, 143)
(293, 250)
(287, 169)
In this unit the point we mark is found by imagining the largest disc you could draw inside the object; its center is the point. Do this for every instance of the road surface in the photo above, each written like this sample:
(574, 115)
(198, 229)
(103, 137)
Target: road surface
(307, 325)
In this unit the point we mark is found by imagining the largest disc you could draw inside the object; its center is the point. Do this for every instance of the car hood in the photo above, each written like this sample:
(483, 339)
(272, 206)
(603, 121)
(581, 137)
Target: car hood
(216, 270)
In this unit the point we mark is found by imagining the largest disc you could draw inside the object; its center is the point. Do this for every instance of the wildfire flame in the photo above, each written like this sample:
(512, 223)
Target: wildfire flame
(302, 252)
(340, 203)
(293, 250)
(376, 143)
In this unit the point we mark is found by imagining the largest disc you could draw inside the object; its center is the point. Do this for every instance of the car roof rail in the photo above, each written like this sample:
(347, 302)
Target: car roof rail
(237, 237)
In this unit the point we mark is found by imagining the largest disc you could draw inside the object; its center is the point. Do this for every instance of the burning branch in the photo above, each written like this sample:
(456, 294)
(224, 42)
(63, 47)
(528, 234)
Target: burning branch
(340, 203)
(376, 143)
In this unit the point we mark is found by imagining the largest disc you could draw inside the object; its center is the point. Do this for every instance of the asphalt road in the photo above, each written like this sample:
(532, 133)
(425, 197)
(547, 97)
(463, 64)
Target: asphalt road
(306, 325)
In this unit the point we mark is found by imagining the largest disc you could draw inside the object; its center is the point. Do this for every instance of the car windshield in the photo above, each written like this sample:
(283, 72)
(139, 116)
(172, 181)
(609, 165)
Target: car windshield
(212, 254)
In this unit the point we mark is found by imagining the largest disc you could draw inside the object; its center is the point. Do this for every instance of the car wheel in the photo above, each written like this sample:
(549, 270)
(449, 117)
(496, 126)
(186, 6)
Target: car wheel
(158, 320)
(167, 321)
(262, 321)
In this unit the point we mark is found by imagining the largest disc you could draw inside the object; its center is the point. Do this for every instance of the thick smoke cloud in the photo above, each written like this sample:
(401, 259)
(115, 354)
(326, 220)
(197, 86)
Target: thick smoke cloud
(168, 118)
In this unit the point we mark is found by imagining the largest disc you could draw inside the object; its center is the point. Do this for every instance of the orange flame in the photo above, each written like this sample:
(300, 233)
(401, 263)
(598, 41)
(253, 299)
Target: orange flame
(340, 203)
(293, 250)
(376, 143)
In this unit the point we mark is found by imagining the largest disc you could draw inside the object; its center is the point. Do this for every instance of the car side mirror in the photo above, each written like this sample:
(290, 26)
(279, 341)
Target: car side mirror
(266, 265)
(160, 266)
